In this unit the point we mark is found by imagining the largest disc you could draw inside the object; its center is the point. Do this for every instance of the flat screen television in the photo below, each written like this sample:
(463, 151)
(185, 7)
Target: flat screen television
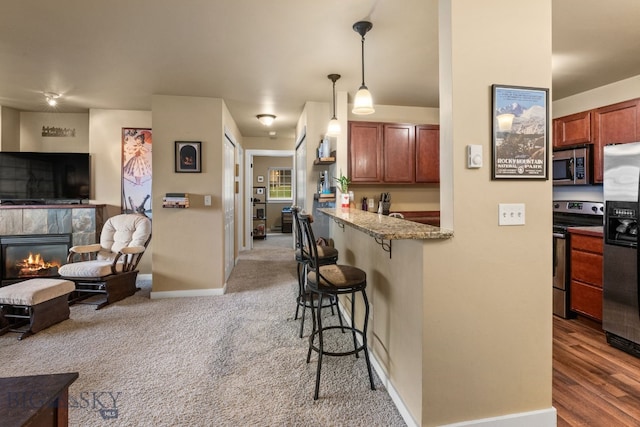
(44, 178)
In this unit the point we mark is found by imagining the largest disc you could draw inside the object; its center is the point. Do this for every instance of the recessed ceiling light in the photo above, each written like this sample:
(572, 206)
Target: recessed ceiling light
(266, 119)
(51, 98)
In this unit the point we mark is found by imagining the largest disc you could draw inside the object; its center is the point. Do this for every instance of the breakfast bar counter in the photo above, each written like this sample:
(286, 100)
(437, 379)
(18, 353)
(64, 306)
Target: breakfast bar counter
(385, 227)
(395, 287)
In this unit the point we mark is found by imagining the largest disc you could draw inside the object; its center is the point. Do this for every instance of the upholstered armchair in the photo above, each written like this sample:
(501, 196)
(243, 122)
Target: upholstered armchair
(108, 269)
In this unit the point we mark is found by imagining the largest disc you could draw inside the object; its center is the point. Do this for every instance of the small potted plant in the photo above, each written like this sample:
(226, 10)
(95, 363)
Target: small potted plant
(343, 185)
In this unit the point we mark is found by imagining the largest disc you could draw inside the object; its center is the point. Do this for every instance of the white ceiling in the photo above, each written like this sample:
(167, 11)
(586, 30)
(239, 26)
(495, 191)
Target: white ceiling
(269, 56)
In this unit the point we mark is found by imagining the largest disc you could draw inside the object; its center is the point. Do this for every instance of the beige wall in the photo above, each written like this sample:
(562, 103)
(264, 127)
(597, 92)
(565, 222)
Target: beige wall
(188, 243)
(487, 291)
(9, 129)
(31, 138)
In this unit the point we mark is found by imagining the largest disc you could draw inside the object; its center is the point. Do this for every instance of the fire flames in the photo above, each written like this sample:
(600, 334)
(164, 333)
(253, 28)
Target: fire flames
(35, 264)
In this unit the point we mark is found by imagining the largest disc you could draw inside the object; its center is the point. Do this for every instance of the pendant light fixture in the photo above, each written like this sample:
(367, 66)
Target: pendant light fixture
(334, 125)
(362, 103)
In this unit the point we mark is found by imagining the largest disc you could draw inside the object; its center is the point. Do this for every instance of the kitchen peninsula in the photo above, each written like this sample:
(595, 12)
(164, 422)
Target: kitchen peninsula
(391, 252)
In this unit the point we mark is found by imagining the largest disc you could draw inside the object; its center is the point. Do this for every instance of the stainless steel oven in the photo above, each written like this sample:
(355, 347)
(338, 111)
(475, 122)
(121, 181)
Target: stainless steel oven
(568, 213)
(572, 166)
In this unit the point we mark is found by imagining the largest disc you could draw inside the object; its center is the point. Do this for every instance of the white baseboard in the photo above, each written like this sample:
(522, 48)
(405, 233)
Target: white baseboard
(184, 293)
(541, 418)
(187, 293)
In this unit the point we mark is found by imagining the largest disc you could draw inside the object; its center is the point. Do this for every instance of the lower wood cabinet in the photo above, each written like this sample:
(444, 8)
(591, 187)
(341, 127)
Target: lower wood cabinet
(586, 274)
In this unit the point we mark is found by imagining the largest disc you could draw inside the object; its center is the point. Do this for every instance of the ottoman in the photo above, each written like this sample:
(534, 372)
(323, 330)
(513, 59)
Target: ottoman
(33, 305)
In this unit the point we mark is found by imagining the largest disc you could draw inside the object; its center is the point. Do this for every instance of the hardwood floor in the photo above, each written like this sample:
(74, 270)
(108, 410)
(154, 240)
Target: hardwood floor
(594, 384)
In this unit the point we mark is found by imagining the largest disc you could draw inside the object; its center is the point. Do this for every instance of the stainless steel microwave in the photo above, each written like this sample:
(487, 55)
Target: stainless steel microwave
(572, 167)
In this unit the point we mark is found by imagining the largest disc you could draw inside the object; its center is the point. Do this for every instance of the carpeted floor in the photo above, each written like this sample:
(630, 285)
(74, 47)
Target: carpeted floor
(229, 360)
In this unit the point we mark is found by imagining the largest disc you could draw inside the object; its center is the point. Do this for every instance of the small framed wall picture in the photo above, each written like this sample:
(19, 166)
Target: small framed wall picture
(260, 178)
(188, 157)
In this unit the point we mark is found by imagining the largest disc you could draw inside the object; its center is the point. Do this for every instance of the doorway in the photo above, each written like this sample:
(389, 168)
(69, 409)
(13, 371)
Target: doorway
(251, 180)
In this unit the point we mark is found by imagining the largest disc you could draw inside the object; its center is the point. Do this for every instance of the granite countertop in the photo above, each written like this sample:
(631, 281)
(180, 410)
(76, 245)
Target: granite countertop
(385, 227)
(596, 231)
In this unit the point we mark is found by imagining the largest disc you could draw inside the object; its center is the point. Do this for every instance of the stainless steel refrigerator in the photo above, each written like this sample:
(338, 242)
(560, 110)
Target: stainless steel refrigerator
(621, 289)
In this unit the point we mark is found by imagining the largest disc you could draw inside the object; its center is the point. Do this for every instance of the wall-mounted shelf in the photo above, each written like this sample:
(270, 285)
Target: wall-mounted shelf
(324, 197)
(175, 200)
(326, 160)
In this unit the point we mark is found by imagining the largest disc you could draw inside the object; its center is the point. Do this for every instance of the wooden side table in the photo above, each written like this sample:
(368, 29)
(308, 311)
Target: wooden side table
(38, 400)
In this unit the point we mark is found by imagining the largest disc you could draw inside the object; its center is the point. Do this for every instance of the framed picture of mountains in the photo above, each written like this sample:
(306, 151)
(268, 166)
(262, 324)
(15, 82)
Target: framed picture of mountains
(520, 132)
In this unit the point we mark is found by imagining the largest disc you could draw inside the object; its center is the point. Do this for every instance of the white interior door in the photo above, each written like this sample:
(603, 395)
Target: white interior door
(228, 205)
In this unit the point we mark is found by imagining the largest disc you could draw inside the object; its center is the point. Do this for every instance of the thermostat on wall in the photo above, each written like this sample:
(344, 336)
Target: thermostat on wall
(474, 156)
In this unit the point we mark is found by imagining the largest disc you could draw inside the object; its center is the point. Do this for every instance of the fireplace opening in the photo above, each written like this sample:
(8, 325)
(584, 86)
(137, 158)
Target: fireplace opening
(32, 256)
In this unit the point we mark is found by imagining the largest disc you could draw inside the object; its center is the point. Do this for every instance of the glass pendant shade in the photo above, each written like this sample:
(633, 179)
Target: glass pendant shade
(334, 127)
(363, 103)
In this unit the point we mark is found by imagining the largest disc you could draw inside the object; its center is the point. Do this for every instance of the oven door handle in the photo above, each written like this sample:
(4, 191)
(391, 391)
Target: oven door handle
(559, 235)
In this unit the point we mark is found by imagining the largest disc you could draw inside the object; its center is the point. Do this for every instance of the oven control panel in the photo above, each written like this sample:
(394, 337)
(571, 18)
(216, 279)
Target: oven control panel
(579, 207)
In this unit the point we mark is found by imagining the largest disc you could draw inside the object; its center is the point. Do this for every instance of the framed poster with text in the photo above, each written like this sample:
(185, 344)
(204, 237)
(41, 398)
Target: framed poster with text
(520, 137)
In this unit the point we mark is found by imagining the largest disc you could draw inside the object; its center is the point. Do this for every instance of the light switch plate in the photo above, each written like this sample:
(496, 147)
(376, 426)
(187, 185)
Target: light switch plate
(511, 214)
(207, 200)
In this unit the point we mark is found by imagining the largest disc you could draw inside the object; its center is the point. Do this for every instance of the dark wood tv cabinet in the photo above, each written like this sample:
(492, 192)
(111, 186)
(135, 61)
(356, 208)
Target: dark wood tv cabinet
(37, 400)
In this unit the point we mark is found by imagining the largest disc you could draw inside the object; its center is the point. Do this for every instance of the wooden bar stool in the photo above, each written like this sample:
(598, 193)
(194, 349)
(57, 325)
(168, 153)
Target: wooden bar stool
(326, 255)
(333, 280)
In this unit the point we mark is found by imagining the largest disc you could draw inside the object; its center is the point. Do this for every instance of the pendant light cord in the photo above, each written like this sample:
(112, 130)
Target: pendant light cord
(334, 101)
(363, 61)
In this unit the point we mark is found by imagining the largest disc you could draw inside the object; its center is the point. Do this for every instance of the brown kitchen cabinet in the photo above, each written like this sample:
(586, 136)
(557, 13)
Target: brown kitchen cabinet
(393, 153)
(427, 154)
(365, 152)
(399, 153)
(586, 273)
(572, 130)
(614, 124)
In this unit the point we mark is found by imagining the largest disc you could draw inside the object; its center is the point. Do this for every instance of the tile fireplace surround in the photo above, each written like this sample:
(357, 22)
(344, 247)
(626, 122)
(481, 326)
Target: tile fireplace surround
(83, 222)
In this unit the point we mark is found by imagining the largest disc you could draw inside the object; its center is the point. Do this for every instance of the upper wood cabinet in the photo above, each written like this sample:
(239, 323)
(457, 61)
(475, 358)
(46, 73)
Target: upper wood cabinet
(613, 124)
(428, 154)
(399, 151)
(572, 130)
(365, 152)
(393, 153)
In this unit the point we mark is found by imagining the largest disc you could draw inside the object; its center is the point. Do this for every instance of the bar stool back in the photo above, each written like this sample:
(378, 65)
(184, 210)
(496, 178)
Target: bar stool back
(326, 255)
(333, 280)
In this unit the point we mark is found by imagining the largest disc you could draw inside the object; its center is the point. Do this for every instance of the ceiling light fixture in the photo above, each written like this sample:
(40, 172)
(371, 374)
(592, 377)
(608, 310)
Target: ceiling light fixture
(266, 119)
(334, 125)
(51, 98)
(362, 103)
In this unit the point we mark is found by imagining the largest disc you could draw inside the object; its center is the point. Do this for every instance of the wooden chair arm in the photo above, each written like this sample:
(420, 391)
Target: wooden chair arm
(83, 252)
(128, 258)
(133, 250)
(83, 249)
